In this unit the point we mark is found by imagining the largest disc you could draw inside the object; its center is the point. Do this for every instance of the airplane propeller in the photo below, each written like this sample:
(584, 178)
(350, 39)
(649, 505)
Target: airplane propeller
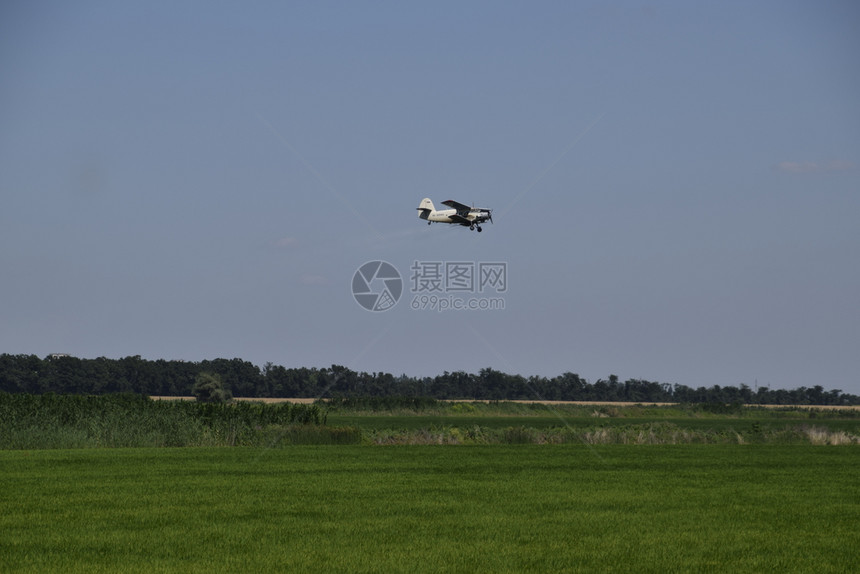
(489, 212)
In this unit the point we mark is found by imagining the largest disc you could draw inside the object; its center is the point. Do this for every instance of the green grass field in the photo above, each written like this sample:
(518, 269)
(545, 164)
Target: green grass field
(496, 508)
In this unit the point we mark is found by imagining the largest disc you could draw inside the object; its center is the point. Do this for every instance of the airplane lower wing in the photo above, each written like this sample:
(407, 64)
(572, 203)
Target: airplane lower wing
(460, 219)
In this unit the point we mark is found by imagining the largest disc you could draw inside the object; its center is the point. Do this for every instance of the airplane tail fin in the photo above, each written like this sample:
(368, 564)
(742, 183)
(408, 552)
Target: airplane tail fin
(425, 208)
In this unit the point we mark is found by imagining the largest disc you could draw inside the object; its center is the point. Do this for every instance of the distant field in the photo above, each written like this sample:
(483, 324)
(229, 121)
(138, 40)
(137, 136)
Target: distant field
(465, 421)
(405, 421)
(251, 399)
(583, 403)
(568, 508)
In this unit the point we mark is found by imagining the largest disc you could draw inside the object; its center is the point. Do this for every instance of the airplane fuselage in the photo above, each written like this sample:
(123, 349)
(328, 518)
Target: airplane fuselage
(444, 216)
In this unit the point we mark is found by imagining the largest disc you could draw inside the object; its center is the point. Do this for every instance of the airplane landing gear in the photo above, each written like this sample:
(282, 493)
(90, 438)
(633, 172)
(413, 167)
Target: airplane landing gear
(479, 229)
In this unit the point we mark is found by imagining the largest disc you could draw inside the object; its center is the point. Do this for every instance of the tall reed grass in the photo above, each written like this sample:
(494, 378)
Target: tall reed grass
(125, 420)
(656, 433)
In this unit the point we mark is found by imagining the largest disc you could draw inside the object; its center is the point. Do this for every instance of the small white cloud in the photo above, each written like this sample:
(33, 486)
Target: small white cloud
(838, 165)
(814, 167)
(287, 242)
(796, 167)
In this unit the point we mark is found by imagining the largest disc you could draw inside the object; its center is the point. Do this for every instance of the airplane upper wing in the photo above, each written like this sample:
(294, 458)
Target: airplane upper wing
(456, 205)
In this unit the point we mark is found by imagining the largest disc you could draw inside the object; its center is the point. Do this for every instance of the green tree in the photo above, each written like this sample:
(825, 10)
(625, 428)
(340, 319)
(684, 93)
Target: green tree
(208, 388)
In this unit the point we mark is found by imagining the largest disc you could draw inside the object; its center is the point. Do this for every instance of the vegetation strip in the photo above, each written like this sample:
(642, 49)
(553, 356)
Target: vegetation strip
(71, 421)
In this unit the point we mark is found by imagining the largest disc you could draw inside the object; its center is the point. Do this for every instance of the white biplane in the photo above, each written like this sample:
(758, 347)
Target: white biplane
(461, 214)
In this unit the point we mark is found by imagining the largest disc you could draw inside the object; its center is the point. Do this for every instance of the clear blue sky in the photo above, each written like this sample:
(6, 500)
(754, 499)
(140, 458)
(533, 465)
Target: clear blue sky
(675, 185)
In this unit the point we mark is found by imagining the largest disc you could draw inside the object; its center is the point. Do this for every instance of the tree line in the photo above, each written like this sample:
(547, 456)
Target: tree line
(64, 374)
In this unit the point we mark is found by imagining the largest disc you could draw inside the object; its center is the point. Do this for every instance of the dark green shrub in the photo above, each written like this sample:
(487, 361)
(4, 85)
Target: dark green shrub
(208, 388)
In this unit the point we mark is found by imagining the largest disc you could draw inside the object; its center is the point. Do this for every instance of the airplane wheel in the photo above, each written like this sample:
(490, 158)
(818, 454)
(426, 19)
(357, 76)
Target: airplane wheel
(471, 228)
(429, 222)
(479, 230)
